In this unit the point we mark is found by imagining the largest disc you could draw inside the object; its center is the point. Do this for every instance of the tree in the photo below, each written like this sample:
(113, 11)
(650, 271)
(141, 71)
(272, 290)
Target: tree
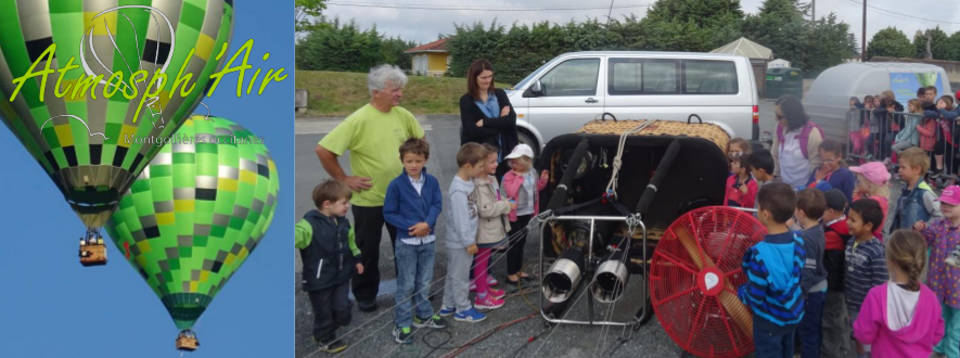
(691, 25)
(780, 25)
(890, 42)
(828, 43)
(305, 11)
(335, 47)
(938, 46)
(953, 47)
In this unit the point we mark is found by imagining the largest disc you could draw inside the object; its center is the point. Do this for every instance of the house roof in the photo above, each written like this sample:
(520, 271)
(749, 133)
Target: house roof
(746, 48)
(436, 46)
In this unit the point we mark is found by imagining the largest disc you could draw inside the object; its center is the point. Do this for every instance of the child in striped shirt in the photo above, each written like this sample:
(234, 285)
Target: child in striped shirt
(864, 258)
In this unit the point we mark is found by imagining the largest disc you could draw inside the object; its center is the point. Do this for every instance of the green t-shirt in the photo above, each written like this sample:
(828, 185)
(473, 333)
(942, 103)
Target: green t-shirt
(373, 139)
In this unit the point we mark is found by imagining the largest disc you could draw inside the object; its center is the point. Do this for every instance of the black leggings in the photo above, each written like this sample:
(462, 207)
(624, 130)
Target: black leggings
(515, 254)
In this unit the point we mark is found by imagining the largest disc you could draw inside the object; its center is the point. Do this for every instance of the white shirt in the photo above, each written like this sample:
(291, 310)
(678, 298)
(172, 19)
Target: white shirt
(418, 186)
(417, 183)
(900, 306)
(794, 168)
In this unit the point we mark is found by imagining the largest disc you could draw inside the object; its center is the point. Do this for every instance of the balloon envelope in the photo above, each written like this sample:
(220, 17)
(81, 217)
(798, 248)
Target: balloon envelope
(196, 212)
(91, 143)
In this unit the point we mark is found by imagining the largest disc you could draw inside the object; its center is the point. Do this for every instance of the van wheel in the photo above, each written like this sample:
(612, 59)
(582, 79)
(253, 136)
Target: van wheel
(528, 139)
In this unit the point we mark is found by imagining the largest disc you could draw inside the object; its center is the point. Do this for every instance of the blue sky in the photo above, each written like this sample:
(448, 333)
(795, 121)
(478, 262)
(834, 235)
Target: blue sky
(50, 306)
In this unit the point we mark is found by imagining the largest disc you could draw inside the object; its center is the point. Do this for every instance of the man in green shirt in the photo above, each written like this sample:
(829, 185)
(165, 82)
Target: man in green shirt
(373, 135)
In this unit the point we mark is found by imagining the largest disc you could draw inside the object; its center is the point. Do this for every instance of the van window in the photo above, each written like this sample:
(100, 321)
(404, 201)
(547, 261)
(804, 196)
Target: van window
(572, 78)
(709, 77)
(643, 76)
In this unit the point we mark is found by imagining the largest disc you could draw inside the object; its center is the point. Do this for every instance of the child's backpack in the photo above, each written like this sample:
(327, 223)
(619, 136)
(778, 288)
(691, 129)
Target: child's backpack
(804, 136)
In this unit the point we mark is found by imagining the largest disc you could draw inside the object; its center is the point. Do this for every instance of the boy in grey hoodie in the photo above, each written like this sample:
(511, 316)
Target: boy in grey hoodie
(461, 239)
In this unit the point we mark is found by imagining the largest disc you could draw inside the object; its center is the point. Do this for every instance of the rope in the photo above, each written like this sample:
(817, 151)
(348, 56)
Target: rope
(618, 159)
(427, 288)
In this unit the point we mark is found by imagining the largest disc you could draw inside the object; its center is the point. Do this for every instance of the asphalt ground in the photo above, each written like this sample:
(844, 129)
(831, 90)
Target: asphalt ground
(369, 334)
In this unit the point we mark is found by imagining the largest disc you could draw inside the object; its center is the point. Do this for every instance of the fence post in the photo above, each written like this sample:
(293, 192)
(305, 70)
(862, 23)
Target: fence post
(300, 101)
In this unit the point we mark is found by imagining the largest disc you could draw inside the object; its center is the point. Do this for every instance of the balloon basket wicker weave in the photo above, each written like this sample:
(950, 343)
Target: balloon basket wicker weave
(93, 254)
(187, 341)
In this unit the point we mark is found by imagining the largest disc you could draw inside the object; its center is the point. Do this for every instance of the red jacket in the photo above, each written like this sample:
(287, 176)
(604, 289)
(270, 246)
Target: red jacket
(836, 235)
(744, 200)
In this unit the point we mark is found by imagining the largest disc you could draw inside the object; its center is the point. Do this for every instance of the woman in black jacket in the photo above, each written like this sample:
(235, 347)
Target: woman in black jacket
(486, 115)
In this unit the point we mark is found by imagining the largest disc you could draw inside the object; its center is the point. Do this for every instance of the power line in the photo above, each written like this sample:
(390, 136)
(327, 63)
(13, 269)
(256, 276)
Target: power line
(448, 8)
(894, 13)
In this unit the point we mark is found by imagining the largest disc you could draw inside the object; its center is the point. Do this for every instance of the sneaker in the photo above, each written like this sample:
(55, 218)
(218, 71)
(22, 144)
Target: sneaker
(446, 311)
(336, 346)
(488, 303)
(435, 322)
(470, 315)
(473, 286)
(492, 281)
(496, 293)
(403, 335)
(954, 258)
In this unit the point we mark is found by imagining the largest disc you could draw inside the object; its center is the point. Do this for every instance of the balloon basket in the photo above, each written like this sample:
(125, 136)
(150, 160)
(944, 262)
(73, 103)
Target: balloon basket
(187, 341)
(93, 254)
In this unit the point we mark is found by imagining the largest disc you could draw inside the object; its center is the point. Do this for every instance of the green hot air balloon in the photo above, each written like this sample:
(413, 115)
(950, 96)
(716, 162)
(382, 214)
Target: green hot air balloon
(195, 213)
(82, 89)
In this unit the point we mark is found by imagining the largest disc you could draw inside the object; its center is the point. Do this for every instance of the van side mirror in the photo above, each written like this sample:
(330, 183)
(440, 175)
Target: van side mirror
(535, 90)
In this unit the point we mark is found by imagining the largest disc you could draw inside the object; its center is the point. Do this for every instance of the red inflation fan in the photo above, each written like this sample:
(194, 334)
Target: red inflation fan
(694, 275)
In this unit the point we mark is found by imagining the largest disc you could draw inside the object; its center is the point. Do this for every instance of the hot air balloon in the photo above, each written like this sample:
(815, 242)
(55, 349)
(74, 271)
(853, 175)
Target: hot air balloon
(195, 214)
(92, 122)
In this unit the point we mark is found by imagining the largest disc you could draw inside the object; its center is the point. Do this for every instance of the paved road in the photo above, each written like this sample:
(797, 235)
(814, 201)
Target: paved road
(373, 337)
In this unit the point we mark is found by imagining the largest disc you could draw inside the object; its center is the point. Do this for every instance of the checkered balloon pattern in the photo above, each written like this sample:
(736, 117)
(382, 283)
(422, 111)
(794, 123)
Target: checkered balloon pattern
(87, 133)
(196, 213)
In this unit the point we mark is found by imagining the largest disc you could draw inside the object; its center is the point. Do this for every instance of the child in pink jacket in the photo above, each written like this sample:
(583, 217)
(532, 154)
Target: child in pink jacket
(522, 187)
(901, 318)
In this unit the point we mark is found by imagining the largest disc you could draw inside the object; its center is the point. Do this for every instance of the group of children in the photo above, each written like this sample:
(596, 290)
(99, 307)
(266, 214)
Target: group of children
(879, 129)
(482, 216)
(825, 272)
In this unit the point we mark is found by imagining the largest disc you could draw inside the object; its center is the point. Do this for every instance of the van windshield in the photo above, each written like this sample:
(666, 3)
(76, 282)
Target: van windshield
(529, 77)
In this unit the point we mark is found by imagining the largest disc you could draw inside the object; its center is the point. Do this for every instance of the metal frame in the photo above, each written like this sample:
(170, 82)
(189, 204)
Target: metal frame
(589, 257)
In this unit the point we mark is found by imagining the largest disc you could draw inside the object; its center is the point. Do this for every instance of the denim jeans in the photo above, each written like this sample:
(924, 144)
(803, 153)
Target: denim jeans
(414, 274)
(810, 334)
(773, 344)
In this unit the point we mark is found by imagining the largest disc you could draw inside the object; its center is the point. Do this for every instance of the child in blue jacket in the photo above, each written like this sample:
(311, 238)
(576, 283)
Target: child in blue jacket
(773, 291)
(412, 205)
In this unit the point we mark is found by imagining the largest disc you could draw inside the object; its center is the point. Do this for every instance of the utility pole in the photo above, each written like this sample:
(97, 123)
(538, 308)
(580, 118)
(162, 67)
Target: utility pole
(813, 10)
(863, 36)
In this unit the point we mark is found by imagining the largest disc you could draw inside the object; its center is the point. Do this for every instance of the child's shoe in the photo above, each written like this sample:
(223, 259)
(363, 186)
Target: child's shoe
(492, 281)
(435, 322)
(473, 286)
(336, 346)
(488, 303)
(496, 293)
(954, 258)
(446, 311)
(403, 335)
(470, 315)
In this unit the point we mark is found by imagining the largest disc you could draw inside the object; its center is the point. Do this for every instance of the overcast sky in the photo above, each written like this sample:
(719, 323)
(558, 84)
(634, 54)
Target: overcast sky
(423, 20)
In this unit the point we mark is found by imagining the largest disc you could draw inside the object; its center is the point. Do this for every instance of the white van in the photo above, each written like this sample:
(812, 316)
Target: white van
(576, 87)
(828, 99)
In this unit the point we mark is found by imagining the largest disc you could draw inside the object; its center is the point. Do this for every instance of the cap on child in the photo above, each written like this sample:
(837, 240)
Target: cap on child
(875, 172)
(521, 150)
(951, 195)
